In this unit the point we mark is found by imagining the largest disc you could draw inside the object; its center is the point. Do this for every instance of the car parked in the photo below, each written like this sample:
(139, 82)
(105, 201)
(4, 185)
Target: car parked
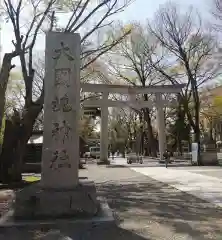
(94, 152)
(134, 158)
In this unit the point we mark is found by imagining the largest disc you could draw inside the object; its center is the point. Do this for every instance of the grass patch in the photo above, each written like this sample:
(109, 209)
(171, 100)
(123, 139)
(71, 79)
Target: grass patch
(31, 179)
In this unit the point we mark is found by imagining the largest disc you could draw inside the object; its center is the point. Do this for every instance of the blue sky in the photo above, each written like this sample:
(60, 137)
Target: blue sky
(142, 9)
(139, 10)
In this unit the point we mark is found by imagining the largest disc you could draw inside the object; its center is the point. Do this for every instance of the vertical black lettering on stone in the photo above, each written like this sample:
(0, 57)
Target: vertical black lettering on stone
(64, 155)
(64, 165)
(55, 130)
(61, 104)
(60, 159)
(60, 165)
(54, 159)
(64, 104)
(66, 131)
(55, 105)
(62, 77)
(65, 50)
(64, 100)
(64, 160)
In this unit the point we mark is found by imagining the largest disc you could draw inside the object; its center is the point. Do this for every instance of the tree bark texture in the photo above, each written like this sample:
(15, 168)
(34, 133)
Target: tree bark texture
(17, 134)
(4, 77)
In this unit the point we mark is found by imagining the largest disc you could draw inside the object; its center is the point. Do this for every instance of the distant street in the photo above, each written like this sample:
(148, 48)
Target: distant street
(147, 162)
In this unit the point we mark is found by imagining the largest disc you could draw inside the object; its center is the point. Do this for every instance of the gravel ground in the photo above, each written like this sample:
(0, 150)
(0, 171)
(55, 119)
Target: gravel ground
(146, 208)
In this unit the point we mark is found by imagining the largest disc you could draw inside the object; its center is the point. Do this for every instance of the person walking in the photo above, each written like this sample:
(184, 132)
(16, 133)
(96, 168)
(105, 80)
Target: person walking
(166, 156)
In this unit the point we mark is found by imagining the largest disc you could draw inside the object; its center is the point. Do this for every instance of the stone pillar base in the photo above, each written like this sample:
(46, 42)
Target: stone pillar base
(35, 202)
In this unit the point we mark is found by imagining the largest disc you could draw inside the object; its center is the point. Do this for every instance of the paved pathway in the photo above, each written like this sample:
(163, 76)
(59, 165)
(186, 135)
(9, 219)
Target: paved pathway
(148, 210)
(202, 182)
(154, 210)
(194, 182)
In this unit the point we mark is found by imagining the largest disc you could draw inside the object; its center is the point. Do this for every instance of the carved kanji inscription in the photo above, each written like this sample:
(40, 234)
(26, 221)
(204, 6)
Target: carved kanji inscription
(62, 77)
(60, 159)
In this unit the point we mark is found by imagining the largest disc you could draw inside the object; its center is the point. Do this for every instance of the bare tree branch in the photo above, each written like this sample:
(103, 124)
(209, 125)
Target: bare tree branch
(105, 50)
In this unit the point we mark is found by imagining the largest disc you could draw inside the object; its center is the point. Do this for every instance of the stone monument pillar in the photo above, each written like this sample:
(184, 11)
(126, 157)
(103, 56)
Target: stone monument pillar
(104, 141)
(60, 193)
(60, 156)
(161, 125)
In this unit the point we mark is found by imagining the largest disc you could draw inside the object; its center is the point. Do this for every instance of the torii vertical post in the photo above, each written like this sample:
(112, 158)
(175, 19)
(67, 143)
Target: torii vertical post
(104, 141)
(161, 125)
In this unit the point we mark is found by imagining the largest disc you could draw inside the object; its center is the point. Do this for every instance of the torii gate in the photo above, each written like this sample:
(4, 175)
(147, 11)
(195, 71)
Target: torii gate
(104, 103)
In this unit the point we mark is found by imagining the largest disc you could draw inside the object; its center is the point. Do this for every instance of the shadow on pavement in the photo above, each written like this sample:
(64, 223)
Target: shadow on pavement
(150, 201)
(70, 233)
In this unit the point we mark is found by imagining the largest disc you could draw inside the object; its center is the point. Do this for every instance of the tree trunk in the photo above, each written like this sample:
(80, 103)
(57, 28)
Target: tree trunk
(4, 76)
(150, 136)
(211, 129)
(16, 137)
(130, 137)
(180, 125)
(142, 142)
(8, 151)
(194, 123)
(179, 145)
(197, 127)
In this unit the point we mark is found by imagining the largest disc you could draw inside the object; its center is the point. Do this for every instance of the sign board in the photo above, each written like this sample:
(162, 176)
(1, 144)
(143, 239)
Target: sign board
(194, 153)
